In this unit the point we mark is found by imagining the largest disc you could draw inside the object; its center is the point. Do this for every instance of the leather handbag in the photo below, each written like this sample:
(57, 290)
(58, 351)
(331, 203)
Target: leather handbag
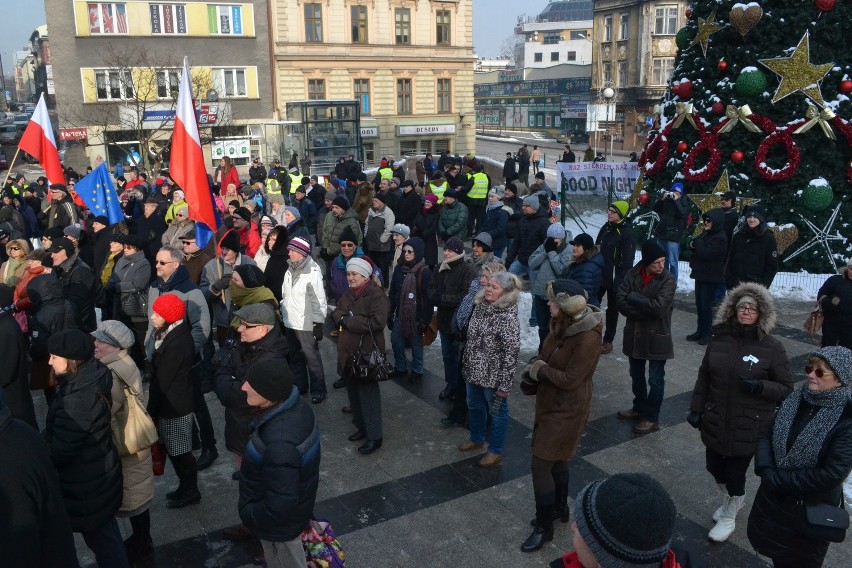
(134, 431)
(825, 522)
(134, 304)
(814, 321)
(431, 331)
(368, 365)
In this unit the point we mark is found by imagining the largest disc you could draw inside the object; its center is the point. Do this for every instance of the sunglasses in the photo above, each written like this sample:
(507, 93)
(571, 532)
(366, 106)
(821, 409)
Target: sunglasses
(612, 211)
(184, 243)
(164, 262)
(818, 372)
(346, 246)
(409, 251)
(179, 215)
(14, 248)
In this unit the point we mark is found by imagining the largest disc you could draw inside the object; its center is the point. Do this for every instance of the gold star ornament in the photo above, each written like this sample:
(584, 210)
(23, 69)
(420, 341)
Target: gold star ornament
(798, 73)
(706, 28)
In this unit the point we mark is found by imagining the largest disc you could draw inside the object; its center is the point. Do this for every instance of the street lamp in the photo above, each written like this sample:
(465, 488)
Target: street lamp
(609, 96)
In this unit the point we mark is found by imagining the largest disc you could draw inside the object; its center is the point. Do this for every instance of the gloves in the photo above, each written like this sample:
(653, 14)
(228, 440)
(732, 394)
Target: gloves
(318, 331)
(694, 419)
(342, 322)
(496, 405)
(550, 244)
(222, 283)
(751, 386)
(421, 328)
(771, 478)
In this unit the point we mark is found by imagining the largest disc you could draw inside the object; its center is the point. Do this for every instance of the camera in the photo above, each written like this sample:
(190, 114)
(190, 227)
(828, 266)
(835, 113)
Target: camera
(670, 194)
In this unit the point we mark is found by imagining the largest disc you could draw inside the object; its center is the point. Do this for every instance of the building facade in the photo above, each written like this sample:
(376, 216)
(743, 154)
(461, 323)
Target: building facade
(561, 33)
(633, 52)
(25, 76)
(409, 63)
(42, 66)
(117, 69)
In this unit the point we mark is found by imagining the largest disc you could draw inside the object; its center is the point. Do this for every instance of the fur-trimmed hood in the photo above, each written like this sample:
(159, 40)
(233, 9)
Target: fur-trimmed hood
(727, 311)
(504, 302)
(586, 256)
(564, 327)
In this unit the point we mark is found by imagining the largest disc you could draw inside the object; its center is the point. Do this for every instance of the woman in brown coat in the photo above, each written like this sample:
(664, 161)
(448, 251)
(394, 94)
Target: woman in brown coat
(744, 374)
(361, 316)
(561, 379)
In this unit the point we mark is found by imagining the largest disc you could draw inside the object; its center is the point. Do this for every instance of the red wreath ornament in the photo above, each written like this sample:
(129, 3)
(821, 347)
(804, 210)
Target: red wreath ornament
(656, 152)
(707, 144)
(782, 136)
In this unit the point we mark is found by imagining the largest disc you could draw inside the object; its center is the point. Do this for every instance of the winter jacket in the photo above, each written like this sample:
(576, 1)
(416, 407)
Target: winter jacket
(509, 169)
(339, 284)
(230, 376)
(280, 470)
(308, 211)
(196, 262)
(563, 393)
(363, 201)
(62, 213)
(648, 309)
(197, 312)
(176, 231)
(333, 228)
(490, 356)
(674, 214)
(49, 313)
(731, 417)
(171, 384)
(220, 303)
(453, 221)
(587, 269)
(249, 239)
(365, 318)
(617, 244)
(303, 293)
(14, 372)
(377, 230)
(514, 205)
(100, 250)
(78, 285)
(152, 228)
(448, 288)
(532, 232)
(136, 469)
(426, 227)
(78, 434)
(131, 276)
(836, 303)
(421, 292)
(496, 224)
(298, 229)
(710, 251)
(730, 219)
(753, 257)
(409, 208)
(548, 266)
(276, 268)
(34, 528)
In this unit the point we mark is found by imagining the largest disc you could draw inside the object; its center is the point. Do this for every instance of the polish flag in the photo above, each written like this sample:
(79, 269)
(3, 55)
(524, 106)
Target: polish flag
(187, 162)
(38, 142)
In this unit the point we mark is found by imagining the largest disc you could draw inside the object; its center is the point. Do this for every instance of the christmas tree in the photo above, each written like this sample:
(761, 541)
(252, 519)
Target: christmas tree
(759, 103)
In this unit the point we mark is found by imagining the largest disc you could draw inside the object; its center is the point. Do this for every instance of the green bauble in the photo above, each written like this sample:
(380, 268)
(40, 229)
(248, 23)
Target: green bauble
(683, 38)
(751, 83)
(818, 196)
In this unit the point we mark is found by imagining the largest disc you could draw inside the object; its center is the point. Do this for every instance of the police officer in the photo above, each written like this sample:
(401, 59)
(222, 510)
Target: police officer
(477, 194)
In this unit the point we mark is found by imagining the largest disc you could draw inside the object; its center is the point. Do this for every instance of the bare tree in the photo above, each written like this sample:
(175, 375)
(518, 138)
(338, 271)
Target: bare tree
(513, 48)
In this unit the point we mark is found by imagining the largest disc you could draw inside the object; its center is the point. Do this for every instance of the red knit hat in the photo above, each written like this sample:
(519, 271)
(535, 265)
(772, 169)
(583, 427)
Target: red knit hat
(170, 307)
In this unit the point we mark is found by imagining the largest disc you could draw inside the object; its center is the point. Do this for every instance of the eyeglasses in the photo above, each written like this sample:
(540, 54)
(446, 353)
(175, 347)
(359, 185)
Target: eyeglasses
(818, 372)
(248, 326)
(747, 309)
(347, 246)
(163, 262)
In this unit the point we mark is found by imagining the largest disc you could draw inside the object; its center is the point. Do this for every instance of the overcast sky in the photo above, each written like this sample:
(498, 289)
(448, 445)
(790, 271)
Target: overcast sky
(494, 21)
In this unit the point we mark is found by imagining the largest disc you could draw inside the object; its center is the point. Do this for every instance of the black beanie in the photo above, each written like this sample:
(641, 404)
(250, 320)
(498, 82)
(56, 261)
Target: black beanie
(348, 235)
(252, 275)
(651, 251)
(71, 344)
(230, 241)
(341, 202)
(7, 295)
(626, 520)
(271, 380)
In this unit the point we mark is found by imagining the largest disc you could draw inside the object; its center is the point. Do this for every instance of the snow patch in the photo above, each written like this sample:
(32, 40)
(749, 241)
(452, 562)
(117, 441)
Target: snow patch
(819, 182)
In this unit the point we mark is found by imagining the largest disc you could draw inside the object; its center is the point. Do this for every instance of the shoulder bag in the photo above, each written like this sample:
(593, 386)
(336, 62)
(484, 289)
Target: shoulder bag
(825, 522)
(813, 324)
(137, 431)
(368, 365)
(134, 304)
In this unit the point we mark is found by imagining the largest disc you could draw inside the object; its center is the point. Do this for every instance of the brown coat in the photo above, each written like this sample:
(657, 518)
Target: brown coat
(564, 392)
(732, 419)
(366, 312)
(363, 201)
(648, 309)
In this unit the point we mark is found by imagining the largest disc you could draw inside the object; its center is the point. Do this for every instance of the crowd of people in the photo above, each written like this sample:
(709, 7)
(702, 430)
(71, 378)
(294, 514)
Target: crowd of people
(296, 261)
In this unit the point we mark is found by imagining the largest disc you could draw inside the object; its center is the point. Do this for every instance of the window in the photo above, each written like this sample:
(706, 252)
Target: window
(551, 38)
(663, 67)
(608, 28)
(445, 95)
(168, 18)
(622, 73)
(168, 82)
(554, 56)
(107, 18)
(579, 35)
(607, 72)
(313, 23)
(359, 24)
(537, 57)
(572, 56)
(225, 20)
(403, 96)
(316, 89)
(625, 23)
(114, 85)
(369, 153)
(231, 82)
(665, 21)
(402, 18)
(361, 88)
(442, 27)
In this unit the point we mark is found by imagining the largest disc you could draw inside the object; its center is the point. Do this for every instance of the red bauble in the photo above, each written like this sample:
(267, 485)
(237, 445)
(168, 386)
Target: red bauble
(676, 88)
(682, 146)
(688, 12)
(643, 198)
(825, 5)
(845, 86)
(737, 156)
(717, 108)
(722, 65)
(685, 91)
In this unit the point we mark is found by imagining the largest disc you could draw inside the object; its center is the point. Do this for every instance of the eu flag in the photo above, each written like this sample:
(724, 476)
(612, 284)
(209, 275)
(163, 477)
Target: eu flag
(98, 193)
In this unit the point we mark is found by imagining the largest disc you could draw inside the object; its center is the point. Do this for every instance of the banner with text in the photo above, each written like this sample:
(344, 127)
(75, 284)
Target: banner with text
(584, 179)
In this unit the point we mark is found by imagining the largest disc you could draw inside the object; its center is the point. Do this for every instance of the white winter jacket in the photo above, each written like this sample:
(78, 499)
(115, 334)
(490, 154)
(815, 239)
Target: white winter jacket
(303, 294)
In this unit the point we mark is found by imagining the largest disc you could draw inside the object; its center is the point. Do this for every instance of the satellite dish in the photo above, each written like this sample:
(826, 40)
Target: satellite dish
(212, 95)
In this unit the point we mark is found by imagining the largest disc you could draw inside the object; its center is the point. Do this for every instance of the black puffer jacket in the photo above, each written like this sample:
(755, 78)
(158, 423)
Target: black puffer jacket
(426, 227)
(617, 243)
(673, 218)
(753, 257)
(280, 470)
(14, 371)
(49, 313)
(77, 432)
(409, 208)
(710, 250)
(515, 205)
(78, 286)
(230, 377)
(448, 288)
(532, 232)
(171, 385)
(837, 304)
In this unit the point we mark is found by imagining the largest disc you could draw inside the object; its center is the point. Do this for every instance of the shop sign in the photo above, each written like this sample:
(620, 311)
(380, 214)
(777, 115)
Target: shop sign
(369, 132)
(73, 133)
(427, 129)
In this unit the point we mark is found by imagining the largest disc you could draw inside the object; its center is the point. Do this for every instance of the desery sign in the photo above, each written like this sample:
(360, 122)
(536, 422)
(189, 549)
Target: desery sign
(597, 178)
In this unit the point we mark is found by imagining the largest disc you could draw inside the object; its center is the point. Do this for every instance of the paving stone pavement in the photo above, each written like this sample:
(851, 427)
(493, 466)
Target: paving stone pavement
(418, 502)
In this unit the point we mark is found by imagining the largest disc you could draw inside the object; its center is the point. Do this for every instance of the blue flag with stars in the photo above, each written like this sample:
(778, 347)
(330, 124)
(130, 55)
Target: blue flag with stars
(98, 193)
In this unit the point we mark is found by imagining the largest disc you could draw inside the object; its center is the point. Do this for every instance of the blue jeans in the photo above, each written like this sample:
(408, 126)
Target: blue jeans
(398, 345)
(107, 544)
(478, 406)
(520, 269)
(672, 255)
(644, 401)
(450, 353)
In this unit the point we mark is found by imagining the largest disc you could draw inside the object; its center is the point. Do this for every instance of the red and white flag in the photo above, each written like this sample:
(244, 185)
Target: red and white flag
(187, 160)
(38, 142)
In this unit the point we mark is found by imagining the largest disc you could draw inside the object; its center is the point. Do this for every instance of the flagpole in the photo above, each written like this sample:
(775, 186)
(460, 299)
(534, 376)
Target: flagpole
(15, 159)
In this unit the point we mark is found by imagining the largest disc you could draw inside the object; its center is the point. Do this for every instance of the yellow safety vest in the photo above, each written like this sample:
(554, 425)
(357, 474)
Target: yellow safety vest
(273, 187)
(295, 182)
(480, 186)
(386, 173)
(439, 190)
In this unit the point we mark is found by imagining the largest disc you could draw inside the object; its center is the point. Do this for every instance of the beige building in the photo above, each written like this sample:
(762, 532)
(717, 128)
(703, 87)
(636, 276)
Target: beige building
(633, 52)
(410, 63)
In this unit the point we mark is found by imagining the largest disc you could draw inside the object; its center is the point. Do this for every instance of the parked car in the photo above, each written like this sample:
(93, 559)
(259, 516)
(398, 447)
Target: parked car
(10, 134)
(21, 119)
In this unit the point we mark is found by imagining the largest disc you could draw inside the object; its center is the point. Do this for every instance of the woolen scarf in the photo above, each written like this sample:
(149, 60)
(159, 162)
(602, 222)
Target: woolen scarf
(108, 267)
(804, 452)
(408, 298)
(10, 277)
(245, 296)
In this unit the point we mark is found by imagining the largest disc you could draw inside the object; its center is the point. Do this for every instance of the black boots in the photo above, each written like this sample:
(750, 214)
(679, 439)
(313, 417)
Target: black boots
(543, 531)
(139, 545)
(187, 492)
(207, 457)
(561, 511)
